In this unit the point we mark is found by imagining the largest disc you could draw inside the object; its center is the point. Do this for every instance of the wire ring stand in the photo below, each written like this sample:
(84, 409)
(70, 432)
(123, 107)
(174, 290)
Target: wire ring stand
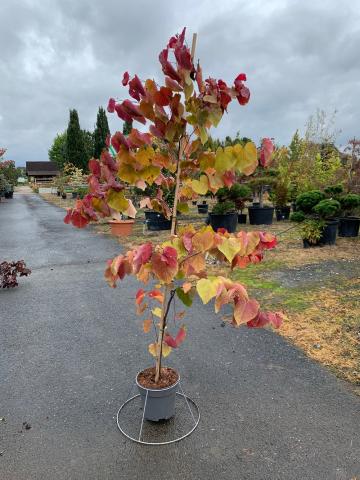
(177, 439)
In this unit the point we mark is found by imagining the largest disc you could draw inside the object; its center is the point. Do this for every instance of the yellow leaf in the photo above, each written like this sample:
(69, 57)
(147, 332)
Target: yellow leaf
(247, 160)
(165, 349)
(201, 186)
(144, 155)
(157, 311)
(147, 325)
(230, 247)
(183, 207)
(215, 115)
(225, 160)
(117, 201)
(207, 288)
(203, 135)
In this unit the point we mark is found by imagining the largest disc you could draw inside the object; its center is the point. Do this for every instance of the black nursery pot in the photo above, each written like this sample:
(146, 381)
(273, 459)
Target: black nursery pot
(203, 208)
(349, 226)
(282, 213)
(194, 202)
(74, 194)
(261, 215)
(63, 196)
(242, 217)
(328, 236)
(156, 221)
(228, 221)
(58, 193)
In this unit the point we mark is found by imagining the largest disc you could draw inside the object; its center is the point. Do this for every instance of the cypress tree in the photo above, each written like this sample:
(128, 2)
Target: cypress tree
(75, 148)
(101, 132)
(127, 127)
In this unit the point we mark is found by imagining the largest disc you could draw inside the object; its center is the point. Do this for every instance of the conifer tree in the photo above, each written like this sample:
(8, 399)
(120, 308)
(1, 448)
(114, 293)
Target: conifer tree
(101, 132)
(75, 147)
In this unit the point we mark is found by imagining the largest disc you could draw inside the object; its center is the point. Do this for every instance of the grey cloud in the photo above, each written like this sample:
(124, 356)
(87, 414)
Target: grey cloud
(65, 54)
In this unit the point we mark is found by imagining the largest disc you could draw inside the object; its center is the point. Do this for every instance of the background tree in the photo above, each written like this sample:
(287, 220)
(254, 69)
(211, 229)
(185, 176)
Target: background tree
(75, 145)
(88, 138)
(127, 127)
(57, 152)
(101, 132)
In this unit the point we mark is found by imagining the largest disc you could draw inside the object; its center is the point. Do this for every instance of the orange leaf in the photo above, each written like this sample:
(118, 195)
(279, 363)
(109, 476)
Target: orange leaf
(147, 325)
(187, 286)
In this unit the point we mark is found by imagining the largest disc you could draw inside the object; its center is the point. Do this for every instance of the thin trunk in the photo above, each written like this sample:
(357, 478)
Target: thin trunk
(161, 334)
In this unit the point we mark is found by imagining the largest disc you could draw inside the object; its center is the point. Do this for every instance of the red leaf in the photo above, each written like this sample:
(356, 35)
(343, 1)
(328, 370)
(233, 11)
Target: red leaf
(119, 139)
(78, 220)
(142, 255)
(125, 79)
(169, 256)
(177, 341)
(111, 105)
(136, 88)
(138, 139)
(156, 295)
(167, 68)
(122, 113)
(94, 167)
(169, 340)
(140, 294)
(133, 111)
(163, 96)
(183, 57)
(267, 149)
(67, 218)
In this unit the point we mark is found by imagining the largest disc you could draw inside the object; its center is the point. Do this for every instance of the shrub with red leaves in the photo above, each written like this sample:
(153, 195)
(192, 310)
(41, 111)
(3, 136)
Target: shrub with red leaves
(9, 272)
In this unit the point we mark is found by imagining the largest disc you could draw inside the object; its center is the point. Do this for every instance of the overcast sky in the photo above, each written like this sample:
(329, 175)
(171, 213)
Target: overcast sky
(298, 55)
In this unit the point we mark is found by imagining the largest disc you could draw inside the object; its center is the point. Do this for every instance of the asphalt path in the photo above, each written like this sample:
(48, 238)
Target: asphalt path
(70, 347)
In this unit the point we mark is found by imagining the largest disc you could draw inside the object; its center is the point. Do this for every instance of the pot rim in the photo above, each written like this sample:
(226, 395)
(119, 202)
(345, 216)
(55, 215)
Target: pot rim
(157, 389)
(260, 208)
(119, 222)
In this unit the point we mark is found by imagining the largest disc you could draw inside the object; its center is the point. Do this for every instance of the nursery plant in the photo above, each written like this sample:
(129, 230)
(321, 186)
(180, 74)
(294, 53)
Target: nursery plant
(179, 114)
(349, 222)
(9, 272)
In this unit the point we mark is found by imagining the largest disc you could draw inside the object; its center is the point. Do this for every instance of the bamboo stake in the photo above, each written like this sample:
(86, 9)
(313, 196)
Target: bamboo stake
(178, 167)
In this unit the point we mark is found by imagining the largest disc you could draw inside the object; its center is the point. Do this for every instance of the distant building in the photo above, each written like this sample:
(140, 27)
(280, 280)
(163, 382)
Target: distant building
(41, 171)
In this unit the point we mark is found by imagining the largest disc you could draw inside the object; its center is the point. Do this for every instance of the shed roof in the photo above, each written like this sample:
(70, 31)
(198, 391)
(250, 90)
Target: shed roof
(41, 168)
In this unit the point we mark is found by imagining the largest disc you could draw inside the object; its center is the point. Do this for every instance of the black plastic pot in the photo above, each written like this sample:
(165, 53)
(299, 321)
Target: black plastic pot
(58, 193)
(156, 221)
(228, 221)
(242, 217)
(194, 202)
(349, 226)
(282, 213)
(203, 208)
(160, 403)
(261, 215)
(74, 194)
(256, 204)
(63, 196)
(204, 202)
(328, 236)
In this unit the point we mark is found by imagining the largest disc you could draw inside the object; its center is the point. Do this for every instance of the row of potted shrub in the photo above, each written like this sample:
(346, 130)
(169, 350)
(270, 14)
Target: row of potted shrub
(323, 214)
(6, 189)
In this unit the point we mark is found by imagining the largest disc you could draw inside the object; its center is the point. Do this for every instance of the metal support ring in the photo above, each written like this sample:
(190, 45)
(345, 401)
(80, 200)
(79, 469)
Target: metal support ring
(137, 440)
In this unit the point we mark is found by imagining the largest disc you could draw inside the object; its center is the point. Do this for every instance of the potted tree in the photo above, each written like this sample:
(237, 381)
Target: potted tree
(349, 222)
(224, 216)
(239, 193)
(316, 213)
(180, 114)
(263, 179)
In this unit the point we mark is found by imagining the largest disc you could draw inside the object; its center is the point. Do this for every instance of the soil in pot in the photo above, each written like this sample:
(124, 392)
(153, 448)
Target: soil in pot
(349, 226)
(203, 209)
(228, 221)
(160, 397)
(261, 215)
(282, 213)
(242, 217)
(121, 228)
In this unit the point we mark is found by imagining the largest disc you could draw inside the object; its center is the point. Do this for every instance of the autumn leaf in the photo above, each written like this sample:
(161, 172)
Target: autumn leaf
(186, 298)
(187, 286)
(230, 247)
(157, 312)
(207, 288)
(200, 186)
(117, 201)
(166, 350)
(147, 325)
(156, 295)
(245, 310)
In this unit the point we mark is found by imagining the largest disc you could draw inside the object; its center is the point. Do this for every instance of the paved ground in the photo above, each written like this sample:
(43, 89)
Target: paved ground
(70, 347)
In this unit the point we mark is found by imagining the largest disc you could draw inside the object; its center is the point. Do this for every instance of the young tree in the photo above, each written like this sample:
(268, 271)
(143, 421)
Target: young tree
(100, 133)
(88, 138)
(57, 152)
(75, 145)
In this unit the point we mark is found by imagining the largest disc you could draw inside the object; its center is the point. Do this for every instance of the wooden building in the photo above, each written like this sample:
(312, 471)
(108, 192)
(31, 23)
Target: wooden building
(41, 171)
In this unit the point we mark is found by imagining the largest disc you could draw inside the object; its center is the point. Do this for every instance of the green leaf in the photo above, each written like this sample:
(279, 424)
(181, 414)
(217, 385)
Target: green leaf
(186, 298)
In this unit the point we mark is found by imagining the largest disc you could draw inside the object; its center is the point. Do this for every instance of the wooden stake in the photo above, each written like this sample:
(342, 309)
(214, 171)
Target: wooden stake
(178, 168)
